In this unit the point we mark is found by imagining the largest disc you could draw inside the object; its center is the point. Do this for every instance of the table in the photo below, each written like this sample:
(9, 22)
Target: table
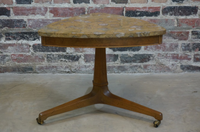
(100, 31)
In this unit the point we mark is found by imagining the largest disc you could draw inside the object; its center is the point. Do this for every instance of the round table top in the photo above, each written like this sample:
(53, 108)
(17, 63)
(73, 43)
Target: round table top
(100, 25)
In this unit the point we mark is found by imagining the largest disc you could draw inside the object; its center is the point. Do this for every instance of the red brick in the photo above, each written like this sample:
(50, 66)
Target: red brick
(15, 48)
(120, 1)
(4, 11)
(101, 1)
(22, 58)
(180, 10)
(40, 48)
(178, 1)
(39, 23)
(190, 68)
(43, 1)
(7, 2)
(159, 1)
(64, 69)
(195, 35)
(81, 1)
(66, 11)
(142, 11)
(4, 59)
(180, 35)
(61, 1)
(53, 69)
(194, 23)
(162, 47)
(129, 49)
(83, 50)
(125, 69)
(149, 9)
(23, 1)
(109, 10)
(89, 57)
(25, 11)
(109, 57)
(187, 47)
(148, 68)
(54, 58)
(194, 47)
(196, 57)
(85, 69)
(138, 1)
(175, 57)
(16, 69)
(12, 23)
(23, 34)
(166, 23)
(136, 58)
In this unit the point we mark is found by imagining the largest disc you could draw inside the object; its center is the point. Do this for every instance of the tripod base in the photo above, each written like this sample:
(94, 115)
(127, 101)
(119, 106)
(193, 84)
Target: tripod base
(100, 94)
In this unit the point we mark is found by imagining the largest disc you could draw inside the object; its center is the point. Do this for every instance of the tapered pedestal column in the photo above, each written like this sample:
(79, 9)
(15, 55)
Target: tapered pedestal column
(100, 94)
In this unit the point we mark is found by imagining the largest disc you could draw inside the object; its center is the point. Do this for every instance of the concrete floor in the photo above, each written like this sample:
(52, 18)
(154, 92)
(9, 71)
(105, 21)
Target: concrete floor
(23, 97)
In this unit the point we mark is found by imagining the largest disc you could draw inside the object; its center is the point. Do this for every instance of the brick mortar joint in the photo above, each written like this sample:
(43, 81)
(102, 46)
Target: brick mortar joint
(92, 4)
(45, 17)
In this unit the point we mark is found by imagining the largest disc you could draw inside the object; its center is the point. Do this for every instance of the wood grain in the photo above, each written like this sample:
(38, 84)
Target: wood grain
(101, 43)
(100, 94)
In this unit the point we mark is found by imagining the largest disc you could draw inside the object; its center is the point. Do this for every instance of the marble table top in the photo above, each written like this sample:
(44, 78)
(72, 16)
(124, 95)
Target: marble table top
(100, 25)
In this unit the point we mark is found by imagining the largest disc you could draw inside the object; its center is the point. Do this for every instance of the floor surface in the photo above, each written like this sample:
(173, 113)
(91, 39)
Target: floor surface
(23, 97)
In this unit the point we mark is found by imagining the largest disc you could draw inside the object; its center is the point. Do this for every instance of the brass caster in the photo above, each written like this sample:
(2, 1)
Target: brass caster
(39, 122)
(156, 123)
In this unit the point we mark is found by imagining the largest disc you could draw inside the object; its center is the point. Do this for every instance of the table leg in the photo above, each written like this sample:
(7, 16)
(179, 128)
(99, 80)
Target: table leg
(117, 101)
(72, 105)
(100, 94)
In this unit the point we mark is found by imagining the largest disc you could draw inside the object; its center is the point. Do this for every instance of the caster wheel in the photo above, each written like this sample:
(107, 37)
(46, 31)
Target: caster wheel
(156, 123)
(39, 122)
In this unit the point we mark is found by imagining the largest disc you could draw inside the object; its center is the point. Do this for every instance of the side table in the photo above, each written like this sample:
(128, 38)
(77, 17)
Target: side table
(100, 31)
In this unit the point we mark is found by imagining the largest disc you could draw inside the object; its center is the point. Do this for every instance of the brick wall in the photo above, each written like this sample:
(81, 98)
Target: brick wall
(21, 50)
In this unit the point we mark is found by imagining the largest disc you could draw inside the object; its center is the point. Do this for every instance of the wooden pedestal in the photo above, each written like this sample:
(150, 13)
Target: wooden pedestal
(100, 94)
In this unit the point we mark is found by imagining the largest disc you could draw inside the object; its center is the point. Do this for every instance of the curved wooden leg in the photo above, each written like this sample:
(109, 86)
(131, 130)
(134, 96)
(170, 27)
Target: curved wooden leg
(100, 94)
(111, 99)
(83, 101)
